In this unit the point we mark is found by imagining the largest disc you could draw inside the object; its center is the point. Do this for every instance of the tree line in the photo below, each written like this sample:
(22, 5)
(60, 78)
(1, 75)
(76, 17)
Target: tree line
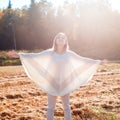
(92, 28)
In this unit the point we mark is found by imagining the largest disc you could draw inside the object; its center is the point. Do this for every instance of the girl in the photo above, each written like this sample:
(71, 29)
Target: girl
(58, 71)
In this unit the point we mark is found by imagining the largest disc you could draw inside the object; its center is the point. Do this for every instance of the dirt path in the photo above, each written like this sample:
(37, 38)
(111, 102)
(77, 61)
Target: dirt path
(21, 99)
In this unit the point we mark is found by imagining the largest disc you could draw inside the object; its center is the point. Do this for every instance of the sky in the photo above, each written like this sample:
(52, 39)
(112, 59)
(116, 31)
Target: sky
(20, 3)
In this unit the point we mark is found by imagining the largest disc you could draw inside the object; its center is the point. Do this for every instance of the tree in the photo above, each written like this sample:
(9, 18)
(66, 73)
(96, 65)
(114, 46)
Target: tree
(9, 5)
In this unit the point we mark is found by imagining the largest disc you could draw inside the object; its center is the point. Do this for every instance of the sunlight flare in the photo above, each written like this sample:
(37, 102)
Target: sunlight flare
(115, 4)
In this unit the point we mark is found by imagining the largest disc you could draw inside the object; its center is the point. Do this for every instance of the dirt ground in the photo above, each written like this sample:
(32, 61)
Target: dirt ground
(21, 99)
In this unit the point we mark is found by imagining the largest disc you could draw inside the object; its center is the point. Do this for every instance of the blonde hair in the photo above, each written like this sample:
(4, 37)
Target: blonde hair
(66, 46)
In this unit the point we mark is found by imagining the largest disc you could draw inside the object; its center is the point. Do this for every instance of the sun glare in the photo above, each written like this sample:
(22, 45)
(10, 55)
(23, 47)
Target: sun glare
(57, 3)
(115, 4)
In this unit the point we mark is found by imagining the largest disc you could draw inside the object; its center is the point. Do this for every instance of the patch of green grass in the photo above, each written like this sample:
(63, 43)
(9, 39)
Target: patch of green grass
(112, 116)
(7, 62)
(100, 112)
(105, 115)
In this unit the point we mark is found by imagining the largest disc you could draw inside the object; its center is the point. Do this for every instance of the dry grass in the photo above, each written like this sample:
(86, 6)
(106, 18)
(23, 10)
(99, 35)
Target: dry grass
(21, 99)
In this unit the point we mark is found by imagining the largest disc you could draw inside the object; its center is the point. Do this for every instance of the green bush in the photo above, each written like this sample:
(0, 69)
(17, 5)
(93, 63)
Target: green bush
(6, 61)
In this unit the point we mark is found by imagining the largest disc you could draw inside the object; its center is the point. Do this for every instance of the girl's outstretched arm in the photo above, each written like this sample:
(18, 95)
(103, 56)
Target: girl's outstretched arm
(14, 54)
(101, 62)
(84, 59)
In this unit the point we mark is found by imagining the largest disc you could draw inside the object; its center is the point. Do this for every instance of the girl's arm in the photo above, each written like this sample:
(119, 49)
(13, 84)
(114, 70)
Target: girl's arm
(14, 54)
(84, 59)
(89, 60)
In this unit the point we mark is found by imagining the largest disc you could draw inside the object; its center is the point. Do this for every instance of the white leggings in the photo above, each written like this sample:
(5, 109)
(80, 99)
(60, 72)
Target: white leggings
(52, 104)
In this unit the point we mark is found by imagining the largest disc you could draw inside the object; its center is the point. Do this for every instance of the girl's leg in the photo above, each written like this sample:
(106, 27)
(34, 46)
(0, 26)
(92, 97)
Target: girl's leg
(51, 107)
(66, 106)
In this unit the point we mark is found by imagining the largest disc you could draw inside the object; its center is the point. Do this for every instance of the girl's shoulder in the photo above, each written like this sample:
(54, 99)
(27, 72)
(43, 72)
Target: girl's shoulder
(71, 52)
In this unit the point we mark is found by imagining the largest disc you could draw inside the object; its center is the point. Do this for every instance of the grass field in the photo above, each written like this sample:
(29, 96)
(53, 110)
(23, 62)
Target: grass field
(21, 99)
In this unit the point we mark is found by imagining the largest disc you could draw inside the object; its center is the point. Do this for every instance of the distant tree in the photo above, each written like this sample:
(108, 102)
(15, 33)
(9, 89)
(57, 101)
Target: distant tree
(9, 5)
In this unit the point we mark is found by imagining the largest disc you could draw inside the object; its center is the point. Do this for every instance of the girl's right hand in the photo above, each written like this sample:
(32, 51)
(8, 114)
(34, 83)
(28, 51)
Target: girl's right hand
(12, 54)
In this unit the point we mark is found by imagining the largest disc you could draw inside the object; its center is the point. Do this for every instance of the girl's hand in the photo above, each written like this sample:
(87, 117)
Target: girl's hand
(103, 62)
(12, 54)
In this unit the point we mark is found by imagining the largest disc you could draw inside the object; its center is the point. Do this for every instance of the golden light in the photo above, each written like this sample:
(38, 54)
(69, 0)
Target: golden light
(115, 4)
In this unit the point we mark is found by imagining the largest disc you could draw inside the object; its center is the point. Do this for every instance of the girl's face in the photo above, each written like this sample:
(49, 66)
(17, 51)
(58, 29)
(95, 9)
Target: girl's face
(61, 40)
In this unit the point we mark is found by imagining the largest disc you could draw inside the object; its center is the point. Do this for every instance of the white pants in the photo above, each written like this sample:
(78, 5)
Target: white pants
(52, 104)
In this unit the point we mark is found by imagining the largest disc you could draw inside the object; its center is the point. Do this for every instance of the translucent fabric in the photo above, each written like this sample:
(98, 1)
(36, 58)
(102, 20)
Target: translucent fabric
(58, 74)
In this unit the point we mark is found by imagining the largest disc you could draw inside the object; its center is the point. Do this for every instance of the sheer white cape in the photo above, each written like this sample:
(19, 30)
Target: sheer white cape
(58, 74)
